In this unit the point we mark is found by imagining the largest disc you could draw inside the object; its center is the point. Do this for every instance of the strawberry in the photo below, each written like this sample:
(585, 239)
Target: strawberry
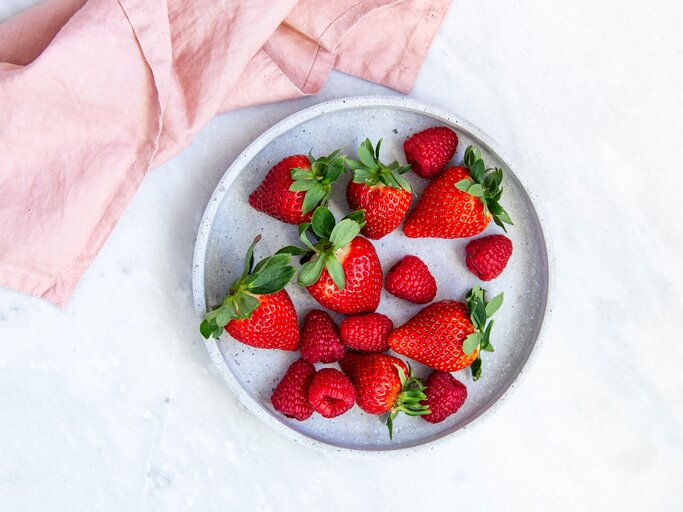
(445, 395)
(331, 393)
(410, 279)
(291, 394)
(320, 340)
(344, 273)
(460, 202)
(448, 335)
(378, 189)
(487, 257)
(366, 333)
(384, 384)
(430, 150)
(257, 310)
(296, 185)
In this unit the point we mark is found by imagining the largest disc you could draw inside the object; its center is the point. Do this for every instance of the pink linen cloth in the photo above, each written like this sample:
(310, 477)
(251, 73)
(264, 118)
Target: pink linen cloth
(93, 93)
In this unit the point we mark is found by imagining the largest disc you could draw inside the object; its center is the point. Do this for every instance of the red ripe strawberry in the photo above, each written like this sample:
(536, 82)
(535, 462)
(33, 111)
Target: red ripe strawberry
(445, 395)
(384, 383)
(296, 185)
(344, 274)
(257, 310)
(448, 335)
(366, 333)
(320, 340)
(486, 257)
(430, 150)
(331, 393)
(460, 202)
(378, 189)
(291, 394)
(410, 279)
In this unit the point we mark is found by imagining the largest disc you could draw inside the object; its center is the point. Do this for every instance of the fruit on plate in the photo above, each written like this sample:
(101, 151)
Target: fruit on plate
(290, 396)
(343, 272)
(320, 341)
(384, 384)
(460, 202)
(380, 190)
(257, 309)
(445, 395)
(411, 280)
(296, 185)
(487, 257)
(430, 150)
(366, 333)
(448, 335)
(331, 393)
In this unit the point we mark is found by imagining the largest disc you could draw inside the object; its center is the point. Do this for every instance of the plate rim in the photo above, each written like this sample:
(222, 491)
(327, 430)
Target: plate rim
(204, 229)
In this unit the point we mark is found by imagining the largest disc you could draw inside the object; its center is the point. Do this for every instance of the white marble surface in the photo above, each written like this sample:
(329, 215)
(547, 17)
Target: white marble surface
(113, 404)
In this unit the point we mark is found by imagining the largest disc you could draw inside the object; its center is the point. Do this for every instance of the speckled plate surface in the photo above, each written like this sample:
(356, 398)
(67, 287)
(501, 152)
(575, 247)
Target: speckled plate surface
(230, 224)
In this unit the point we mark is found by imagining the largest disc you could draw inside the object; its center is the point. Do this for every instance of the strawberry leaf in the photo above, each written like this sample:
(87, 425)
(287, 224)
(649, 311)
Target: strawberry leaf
(322, 222)
(334, 268)
(293, 250)
(311, 271)
(494, 305)
(475, 367)
(471, 343)
(313, 198)
(464, 184)
(343, 233)
(358, 216)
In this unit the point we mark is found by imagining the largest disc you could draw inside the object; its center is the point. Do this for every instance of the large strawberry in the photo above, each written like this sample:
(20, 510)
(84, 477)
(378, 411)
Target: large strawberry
(257, 310)
(460, 202)
(296, 185)
(384, 384)
(343, 272)
(448, 335)
(378, 189)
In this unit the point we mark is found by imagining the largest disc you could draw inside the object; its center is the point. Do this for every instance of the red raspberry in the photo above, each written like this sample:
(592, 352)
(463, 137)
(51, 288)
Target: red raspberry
(367, 333)
(410, 279)
(320, 340)
(430, 150)
(291, 394)
(331, 393)
(486, 257)
(445, 395)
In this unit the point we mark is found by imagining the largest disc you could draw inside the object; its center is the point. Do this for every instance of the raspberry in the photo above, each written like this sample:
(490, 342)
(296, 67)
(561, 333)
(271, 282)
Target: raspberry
(410, 279)
(487, 257)
(430, 150)
(291, 394)
(445, 395)
(320, 340)
(331, 393)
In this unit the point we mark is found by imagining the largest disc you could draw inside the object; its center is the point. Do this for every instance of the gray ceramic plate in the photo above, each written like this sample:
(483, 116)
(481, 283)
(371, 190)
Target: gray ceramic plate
(229, 225)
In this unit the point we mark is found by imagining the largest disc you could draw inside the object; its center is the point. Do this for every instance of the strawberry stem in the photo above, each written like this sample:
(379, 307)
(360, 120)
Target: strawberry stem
(368, 169)
(409, 400)
(317, 181)
(484, 184)
(481, 311)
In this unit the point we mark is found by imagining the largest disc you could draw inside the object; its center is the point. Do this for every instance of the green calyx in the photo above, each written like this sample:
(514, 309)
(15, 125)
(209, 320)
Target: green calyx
(329, 237)
(317, 181)
(486, 185)
(480, 311)
(408, 400)
(270, 275)
(370, 170)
